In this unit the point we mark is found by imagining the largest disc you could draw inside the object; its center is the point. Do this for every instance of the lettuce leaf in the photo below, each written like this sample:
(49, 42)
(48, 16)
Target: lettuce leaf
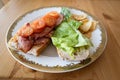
(62, 39)
(66, 13)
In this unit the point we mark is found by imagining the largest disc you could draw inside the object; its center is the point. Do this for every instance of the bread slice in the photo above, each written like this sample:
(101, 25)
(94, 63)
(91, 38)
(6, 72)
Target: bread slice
(79, 56)
(35, 50)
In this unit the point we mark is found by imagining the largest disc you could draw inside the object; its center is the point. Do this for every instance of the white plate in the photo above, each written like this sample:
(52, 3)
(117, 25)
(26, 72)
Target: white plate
(49, 61)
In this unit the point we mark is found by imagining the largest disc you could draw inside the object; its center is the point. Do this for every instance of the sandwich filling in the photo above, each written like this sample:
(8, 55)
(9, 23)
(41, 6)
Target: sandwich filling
(38, 32)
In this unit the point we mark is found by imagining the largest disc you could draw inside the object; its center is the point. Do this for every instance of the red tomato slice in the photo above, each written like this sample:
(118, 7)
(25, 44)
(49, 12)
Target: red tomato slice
(25, 31)
(38, 25)
(49, 20)
(54, 14)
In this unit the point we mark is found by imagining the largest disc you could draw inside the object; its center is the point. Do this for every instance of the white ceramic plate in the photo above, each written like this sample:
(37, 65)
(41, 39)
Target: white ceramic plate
(49, 60)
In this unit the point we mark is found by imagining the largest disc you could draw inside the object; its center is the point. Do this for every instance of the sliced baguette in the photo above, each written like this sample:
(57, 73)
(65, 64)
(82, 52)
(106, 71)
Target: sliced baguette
(35, 50)
(79, 56)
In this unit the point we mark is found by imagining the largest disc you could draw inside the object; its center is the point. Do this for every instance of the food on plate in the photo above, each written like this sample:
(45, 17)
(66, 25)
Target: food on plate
(79, 17)
(34, 37)
(72, 36)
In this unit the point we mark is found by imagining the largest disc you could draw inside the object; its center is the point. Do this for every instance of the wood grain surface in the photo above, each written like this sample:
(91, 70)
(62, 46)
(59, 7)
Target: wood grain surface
(107, 67)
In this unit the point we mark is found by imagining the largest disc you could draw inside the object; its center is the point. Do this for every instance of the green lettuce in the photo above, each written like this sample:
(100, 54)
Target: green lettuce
(63, 39)
(67, 36)
(66, 13)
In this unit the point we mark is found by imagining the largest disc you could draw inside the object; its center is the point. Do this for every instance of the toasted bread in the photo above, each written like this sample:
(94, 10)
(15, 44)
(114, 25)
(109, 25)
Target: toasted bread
(35, 50)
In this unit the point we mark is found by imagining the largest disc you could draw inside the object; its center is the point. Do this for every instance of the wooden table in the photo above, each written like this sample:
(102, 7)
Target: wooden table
(107, 67)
